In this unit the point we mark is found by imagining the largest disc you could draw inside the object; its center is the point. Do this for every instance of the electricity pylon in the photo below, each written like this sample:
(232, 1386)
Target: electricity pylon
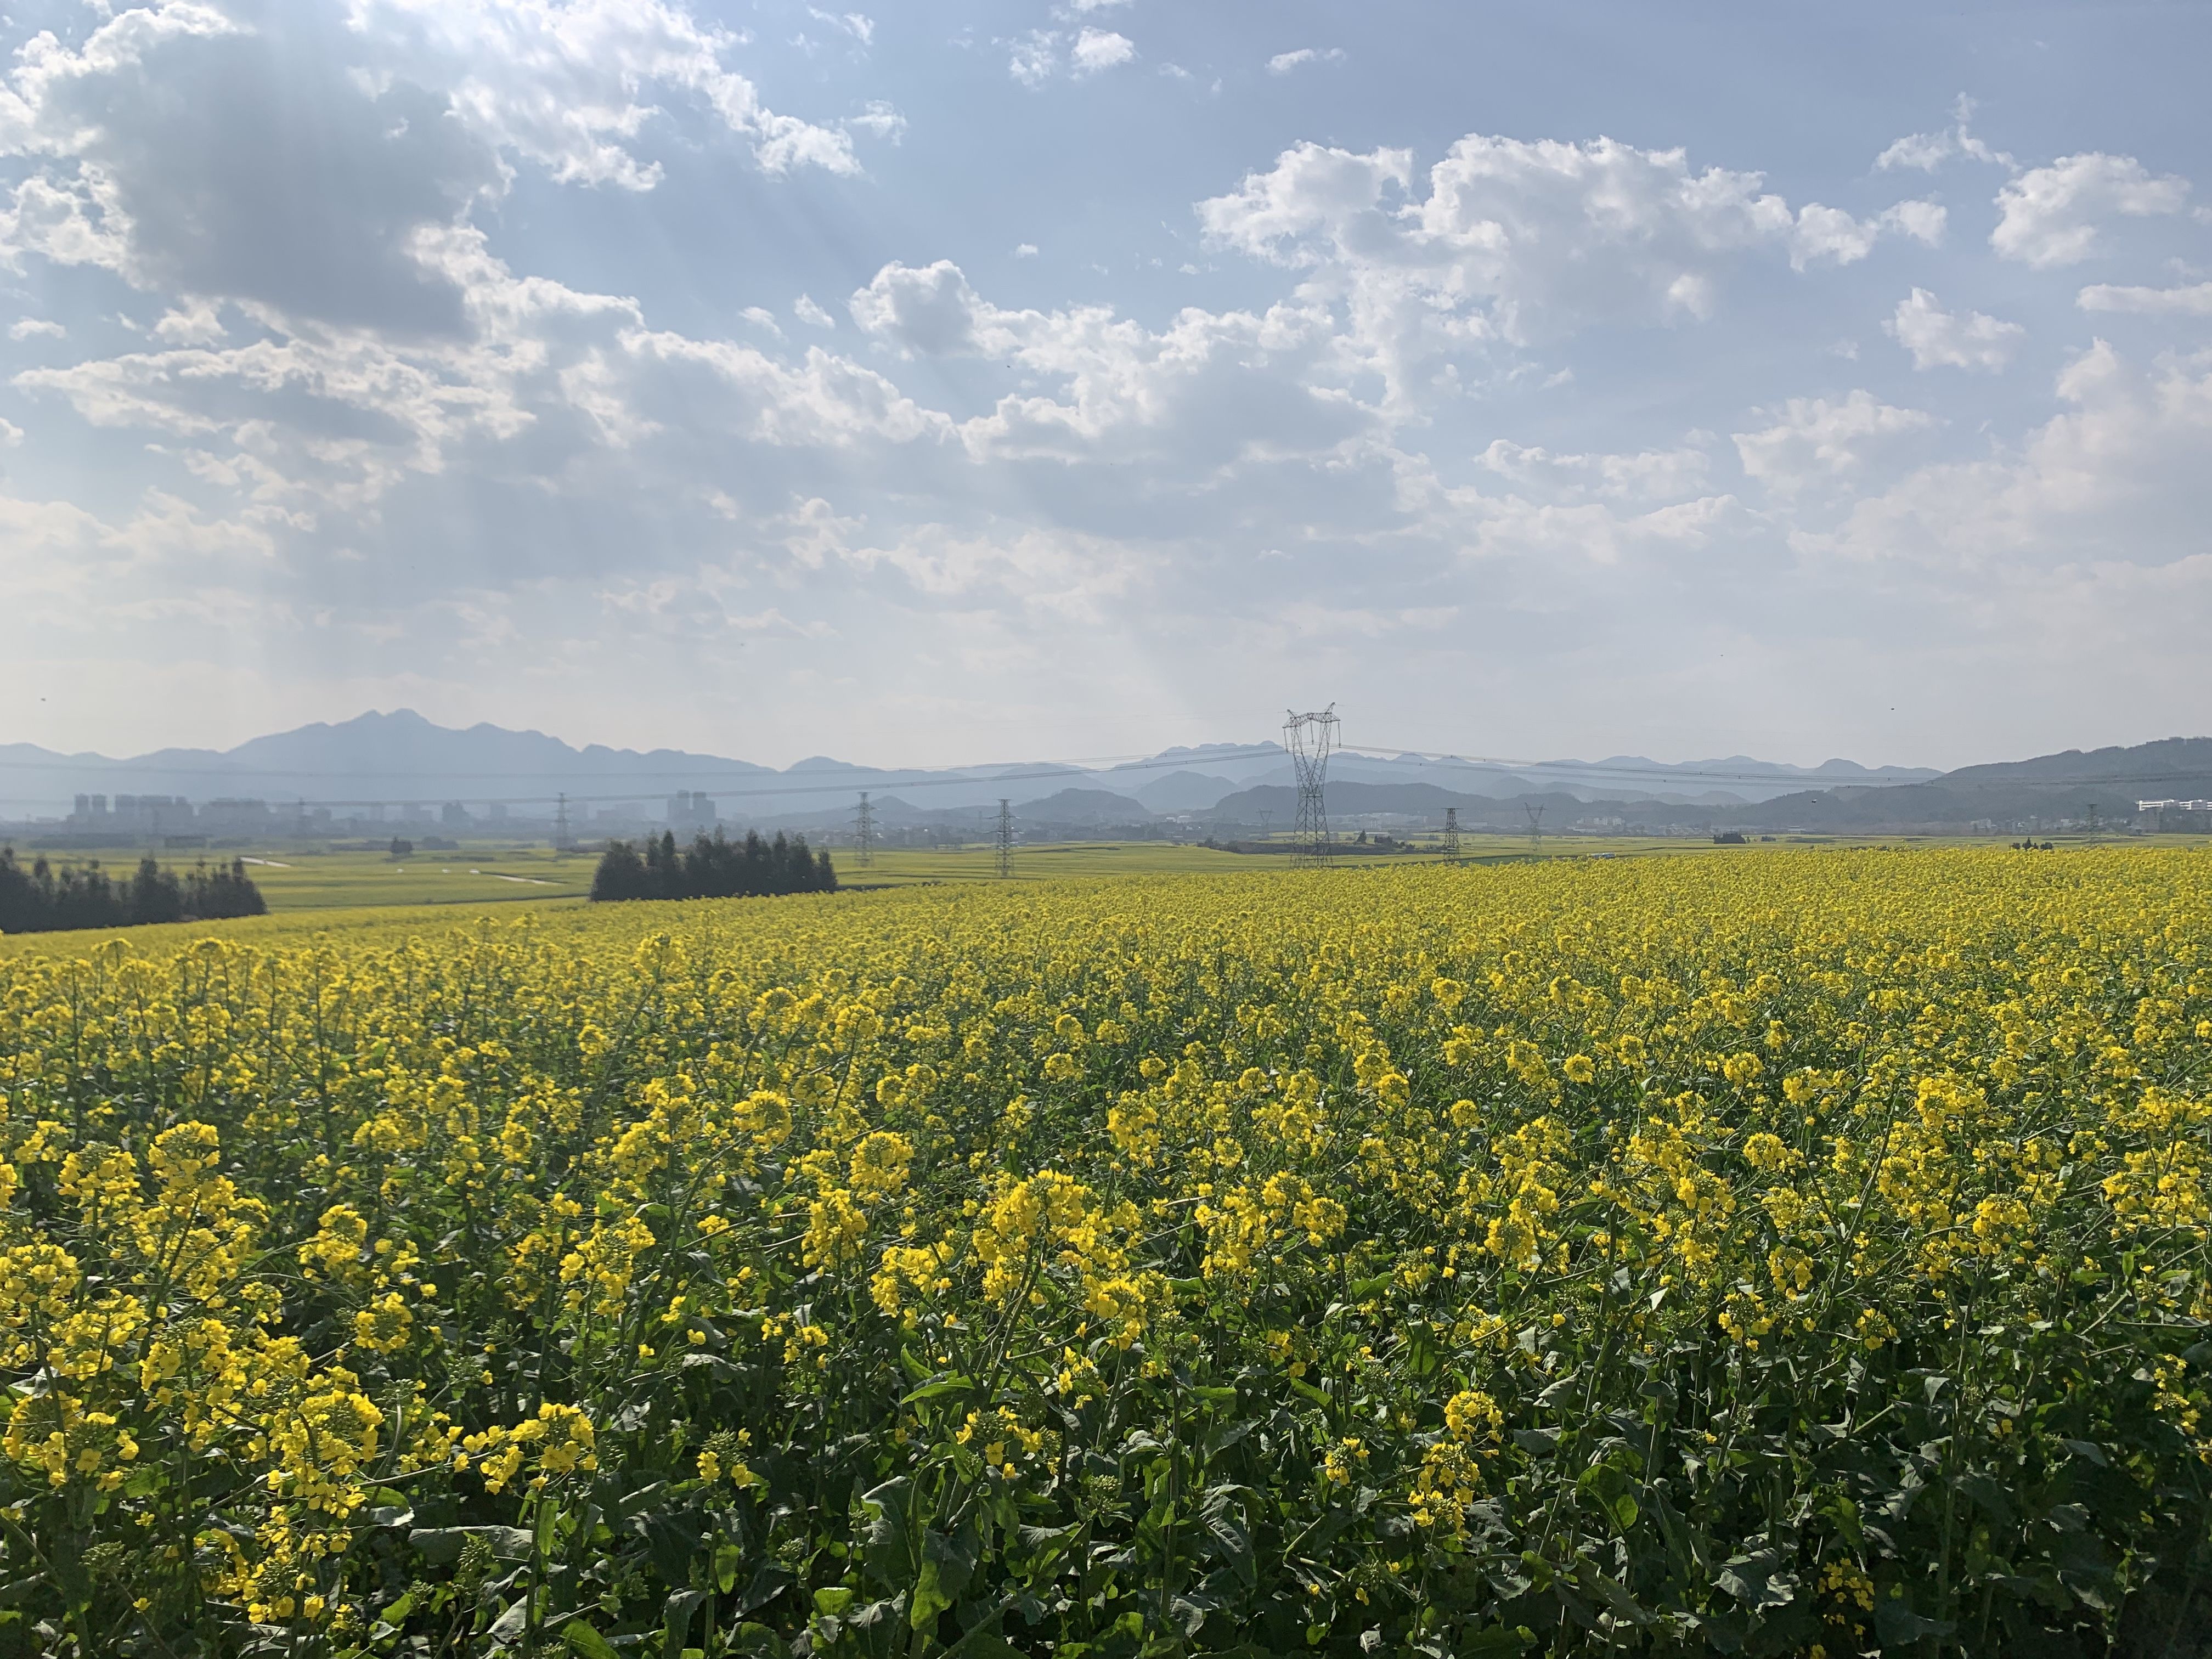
(562, 841)
(1451, 832)
(1005, 837)
(1311, 739)
(1535, 829)
(864, 832)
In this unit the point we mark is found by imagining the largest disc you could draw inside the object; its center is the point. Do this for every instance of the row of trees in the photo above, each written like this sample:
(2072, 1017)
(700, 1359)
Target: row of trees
(43, 899)
(715, 868)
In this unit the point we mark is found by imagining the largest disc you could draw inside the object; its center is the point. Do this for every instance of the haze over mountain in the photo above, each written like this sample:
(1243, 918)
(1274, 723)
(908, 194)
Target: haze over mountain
(401, 758)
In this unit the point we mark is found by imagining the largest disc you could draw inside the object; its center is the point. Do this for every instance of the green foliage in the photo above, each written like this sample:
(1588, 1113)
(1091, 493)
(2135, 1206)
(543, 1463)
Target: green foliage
(44, 899)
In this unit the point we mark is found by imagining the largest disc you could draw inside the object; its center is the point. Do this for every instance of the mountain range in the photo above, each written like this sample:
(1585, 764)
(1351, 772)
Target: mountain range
(400, 758)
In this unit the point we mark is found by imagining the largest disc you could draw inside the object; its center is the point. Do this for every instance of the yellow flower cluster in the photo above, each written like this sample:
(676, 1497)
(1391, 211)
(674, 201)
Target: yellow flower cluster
(1503, 1217)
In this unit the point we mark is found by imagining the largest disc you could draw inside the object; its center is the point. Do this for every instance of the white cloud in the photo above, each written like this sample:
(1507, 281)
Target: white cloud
(1283, 62)
(1081, 6)
(1930, 150)
(806, 311)
(1827, 233)
(1034, 58)
(881, 119)
(2051, 216)
(861, 26)
(1812, 439)
(2118, 478)
(1026, 250)
(1647, 475)
(2192, 300)
(761, 317)
(11, 433)
(38, 328)
(197, 322)
(1940, 338)
(1518, 242)
(1096, 50)
(560, 83)
(1209, 390)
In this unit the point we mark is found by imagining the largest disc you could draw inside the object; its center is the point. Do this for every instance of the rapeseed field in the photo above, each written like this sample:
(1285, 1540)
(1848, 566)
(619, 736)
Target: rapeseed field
(1801, 1253)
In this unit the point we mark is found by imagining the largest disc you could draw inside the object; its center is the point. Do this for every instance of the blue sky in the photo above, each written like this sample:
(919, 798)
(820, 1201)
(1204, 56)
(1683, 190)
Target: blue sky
(961, 381)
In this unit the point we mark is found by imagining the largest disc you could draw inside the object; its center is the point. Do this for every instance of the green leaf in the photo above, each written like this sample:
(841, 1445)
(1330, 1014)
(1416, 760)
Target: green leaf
(947, 1564)
(1898, 1626)
(728, 1557)
(938, 1389)
(1758, 1581)
(509, 1624)
(1223, 1519)
(675, 1619)
(583, 1639)
(1500, 1641)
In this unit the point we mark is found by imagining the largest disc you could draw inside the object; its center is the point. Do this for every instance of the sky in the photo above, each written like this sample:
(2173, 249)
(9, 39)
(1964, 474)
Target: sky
(974, 379)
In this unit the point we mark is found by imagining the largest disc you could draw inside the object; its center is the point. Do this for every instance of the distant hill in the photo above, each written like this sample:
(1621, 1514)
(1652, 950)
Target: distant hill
(2017, 794)
(400, 757)
(1083, 807)
(2012, 795)
(1184, 790)
(1276, 806)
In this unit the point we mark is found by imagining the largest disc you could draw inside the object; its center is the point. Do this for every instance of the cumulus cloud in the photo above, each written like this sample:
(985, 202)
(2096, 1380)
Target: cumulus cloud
(1518, 242)
(1205, 390)
(1812, 439)
(34, 328)
(1930, 150)
(564, 84)
(1283, 62)
(1939, 338)
(1096, 50)
(198, 321)
(1037, 57)
(2053, 216)
(2116, 478)
(1827, 233)
(2194, 299)
(315, 193)
(1646, 475)
(805, 308)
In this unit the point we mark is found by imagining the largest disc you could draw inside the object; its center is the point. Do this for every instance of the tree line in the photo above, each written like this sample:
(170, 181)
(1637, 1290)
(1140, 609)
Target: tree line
(43, 899)
(712, 868)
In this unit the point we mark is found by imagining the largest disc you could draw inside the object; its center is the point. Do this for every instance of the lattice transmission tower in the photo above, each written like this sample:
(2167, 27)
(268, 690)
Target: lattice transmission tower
(1005, 837)
(1310, 739)
(864, 832)
(1451, 832)
(1535, 829)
